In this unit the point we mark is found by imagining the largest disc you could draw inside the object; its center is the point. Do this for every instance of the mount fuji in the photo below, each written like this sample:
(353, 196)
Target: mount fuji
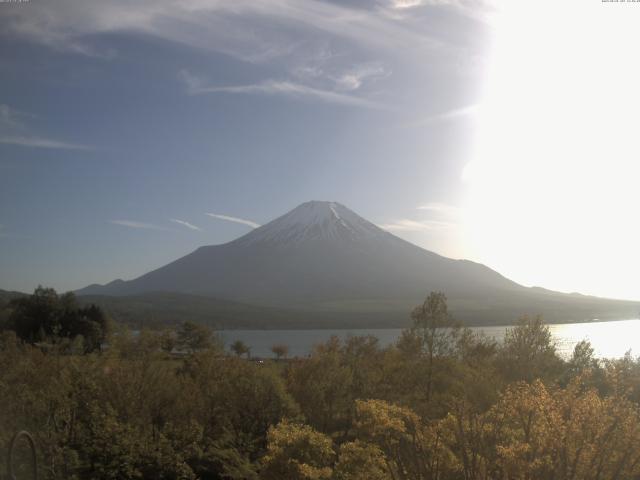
(325, 261)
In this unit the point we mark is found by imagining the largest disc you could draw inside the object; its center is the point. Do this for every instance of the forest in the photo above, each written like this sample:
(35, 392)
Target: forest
(443, 403)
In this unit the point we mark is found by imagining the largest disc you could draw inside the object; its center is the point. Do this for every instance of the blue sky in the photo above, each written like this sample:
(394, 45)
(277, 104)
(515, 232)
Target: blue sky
(122, 125)
(482, 129)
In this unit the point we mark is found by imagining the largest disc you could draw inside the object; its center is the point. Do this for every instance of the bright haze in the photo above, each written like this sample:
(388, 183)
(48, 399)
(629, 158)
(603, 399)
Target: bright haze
(132, 133)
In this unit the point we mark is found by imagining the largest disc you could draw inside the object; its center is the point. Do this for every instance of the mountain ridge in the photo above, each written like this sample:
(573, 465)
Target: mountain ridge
(321, 256)
(347, 244)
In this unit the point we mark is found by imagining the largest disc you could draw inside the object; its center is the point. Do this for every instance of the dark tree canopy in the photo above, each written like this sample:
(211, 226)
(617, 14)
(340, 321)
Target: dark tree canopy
(280, 350)
(193, 337)
(240, 348)
(46, 316)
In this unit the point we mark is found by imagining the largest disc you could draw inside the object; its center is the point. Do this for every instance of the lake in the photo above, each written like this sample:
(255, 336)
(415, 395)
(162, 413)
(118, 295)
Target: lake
(609, 339)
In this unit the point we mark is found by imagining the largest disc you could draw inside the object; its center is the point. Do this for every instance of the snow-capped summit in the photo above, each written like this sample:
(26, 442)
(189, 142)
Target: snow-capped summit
(314, 220)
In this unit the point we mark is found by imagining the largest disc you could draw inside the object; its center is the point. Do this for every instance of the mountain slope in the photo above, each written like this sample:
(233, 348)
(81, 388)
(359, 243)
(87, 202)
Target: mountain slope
(321, 256)
(318, 252)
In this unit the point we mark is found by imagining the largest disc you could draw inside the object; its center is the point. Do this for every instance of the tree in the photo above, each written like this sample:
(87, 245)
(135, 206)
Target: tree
(193, 337)
(528, 351)
(38, 312)
(297, 452)
(436, 331)
(471, 441)
(240, 348)
(537, 433)
(93, 325)
(414, 450)
(361, 461)
(45, 315)
(237, 402)
(582, 358)
(280, 351)
(323, 387)
(168, 340)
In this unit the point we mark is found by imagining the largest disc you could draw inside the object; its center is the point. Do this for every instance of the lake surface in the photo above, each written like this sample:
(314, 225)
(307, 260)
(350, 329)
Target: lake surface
(609, 339)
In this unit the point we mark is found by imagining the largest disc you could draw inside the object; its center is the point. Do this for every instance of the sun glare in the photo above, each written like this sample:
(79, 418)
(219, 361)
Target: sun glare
(553, 194)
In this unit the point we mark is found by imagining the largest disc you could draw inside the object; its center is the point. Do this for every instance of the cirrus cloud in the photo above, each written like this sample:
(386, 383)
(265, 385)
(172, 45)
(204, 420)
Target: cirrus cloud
(234, 219)
(195, 86)
(13, 131)
(190, 226)
(136, 224)
(407, 225)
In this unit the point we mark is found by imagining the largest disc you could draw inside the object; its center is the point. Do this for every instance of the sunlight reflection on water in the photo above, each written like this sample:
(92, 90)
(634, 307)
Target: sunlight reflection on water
(609, 339)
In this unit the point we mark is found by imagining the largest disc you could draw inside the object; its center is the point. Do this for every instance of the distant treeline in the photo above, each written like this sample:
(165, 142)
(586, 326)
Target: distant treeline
(47, 318)
(440, 404)
(156, 310)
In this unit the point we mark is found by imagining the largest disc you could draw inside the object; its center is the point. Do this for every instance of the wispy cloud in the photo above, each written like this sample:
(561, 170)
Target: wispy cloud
(13, 131)
(406, 3)
(442, 217)
(406, 225)
(440, 208)
(481, 10)
(324, 69)
(285, 88)
(193, 82)
(186, 224)
(457, 113)
(38, 142)
(10, 117)
(248, 29)
(353, 78)
(401, 4)
(449, 115)
(350, 43)
(136, 224)
(234, 219)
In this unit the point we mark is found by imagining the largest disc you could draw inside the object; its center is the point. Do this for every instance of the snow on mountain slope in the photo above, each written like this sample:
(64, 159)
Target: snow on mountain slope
(313, 220)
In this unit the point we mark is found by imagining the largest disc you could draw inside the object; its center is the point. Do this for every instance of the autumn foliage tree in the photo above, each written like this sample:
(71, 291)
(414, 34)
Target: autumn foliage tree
(435, 329)
(297, 452)
(352, 410)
